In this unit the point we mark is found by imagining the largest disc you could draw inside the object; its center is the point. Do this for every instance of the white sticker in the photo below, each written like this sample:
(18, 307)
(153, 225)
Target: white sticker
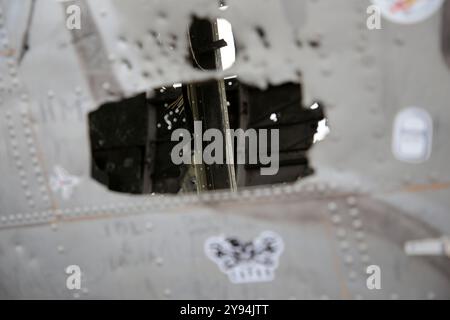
(62, 181)
(246, 262)
(412, 135)
(408, 11)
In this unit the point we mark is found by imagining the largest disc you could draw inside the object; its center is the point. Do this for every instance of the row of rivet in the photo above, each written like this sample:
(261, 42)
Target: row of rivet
(18, 160)
(33, 155)
(342, 238)
(162, 203)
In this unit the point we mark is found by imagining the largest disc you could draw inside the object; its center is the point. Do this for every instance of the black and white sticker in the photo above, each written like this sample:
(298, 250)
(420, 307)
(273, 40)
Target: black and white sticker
(246, 262)
(408, 11)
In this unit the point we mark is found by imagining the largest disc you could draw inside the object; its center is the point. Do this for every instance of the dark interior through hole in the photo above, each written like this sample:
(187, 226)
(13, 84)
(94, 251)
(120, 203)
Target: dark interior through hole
(131, 139)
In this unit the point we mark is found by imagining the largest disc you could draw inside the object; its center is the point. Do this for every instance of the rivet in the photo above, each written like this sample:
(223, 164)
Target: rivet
(344, 245)
(348, 259)
(332, 206)
(357, 224)
(351, 201)
(336, 219)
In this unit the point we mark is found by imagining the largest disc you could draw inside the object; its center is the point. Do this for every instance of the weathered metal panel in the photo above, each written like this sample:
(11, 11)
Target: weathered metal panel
(152, 246)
